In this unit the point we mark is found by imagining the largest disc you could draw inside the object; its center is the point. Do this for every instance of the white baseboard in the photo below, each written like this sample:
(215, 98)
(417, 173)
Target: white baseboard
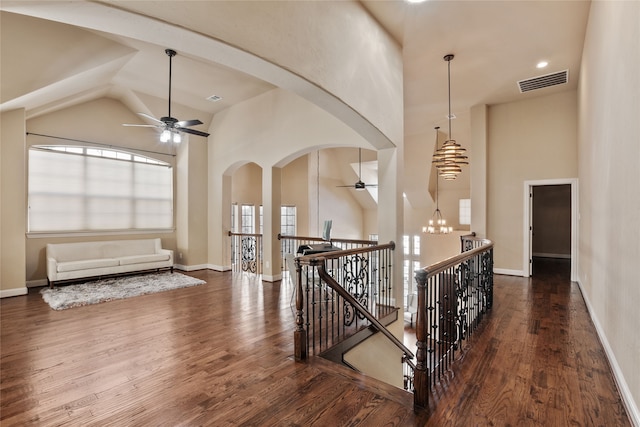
(6, 293)
(507, 272)
(627, 398)
(273, 278)
(37, 283)
(191, 267)
(218, 267)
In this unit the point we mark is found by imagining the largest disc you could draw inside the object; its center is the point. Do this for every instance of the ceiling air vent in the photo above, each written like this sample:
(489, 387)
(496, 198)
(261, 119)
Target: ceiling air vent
(541, 82)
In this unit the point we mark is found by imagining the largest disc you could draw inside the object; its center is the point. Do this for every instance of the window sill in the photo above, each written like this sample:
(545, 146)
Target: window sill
(53, 234)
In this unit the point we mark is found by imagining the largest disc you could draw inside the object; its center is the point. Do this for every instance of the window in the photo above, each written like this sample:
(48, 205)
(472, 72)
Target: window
(234, 217)
(406, 277)
(411, 246)
(89, 189)
(288, 227)
(247, 219)
(288, 220)
(465, 211)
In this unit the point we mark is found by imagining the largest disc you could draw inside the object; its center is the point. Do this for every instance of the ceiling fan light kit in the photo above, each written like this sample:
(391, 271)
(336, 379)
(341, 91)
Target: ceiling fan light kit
(172, 127)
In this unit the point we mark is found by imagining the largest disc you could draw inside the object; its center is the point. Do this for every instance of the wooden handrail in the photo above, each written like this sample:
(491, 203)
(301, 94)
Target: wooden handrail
(313, 259)
(440, 266)
(320, 239)
(232, 233)
(318, 261)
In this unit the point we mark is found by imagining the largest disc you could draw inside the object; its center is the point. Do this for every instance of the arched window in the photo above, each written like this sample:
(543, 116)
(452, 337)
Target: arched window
(75, 188)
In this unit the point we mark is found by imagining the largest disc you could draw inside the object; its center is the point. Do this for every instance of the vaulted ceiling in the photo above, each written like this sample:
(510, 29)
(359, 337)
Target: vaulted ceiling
(58, 62)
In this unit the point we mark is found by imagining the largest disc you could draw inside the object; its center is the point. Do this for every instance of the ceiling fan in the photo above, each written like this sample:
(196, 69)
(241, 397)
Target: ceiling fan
(359, 185)
(171, 127)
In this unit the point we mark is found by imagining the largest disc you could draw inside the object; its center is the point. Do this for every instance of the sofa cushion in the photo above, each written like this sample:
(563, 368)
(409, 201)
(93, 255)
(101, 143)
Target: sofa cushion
(126, 248)
(139, 259)
(87, 264)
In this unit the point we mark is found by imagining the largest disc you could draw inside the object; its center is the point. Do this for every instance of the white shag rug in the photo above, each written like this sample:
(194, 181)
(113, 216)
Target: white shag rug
(94, 292)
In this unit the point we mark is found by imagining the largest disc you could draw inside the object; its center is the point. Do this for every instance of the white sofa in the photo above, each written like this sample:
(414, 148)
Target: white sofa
(68, 261)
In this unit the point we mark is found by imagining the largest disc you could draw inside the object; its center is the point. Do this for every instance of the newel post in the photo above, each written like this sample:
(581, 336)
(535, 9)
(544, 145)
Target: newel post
(421, 374)
(300, 334)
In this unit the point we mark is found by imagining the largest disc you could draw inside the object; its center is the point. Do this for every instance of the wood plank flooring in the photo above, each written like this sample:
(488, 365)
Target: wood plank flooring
(220, 354)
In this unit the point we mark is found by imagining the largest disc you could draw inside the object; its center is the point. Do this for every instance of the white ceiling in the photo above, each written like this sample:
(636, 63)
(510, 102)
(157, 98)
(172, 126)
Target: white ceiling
(496, 44)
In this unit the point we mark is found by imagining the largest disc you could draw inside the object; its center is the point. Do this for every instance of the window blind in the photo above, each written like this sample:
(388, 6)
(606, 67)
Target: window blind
(76, 192)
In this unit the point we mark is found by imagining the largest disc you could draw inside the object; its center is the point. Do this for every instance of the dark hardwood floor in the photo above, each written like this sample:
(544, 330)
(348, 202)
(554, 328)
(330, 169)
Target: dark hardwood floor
(221, 354)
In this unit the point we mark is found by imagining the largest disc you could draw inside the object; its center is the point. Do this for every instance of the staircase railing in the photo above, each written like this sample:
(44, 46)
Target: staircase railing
(453, 296)
(342, 292)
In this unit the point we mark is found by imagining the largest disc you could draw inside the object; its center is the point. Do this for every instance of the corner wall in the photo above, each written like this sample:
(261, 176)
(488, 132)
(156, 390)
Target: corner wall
(12, 204)
(609, 173)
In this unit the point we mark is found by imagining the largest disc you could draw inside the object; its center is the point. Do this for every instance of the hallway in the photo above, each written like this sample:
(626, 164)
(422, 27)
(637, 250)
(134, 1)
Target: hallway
(536, 360)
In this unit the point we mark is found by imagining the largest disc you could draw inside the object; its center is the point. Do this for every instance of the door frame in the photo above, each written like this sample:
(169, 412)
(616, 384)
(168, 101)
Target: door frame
(528, 223)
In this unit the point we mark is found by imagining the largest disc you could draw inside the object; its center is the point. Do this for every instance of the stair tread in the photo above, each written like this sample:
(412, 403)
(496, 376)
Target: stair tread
(381, 388)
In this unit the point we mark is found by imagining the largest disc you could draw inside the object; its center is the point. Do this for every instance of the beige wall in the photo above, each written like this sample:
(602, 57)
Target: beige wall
(246, 187)
(300, 128)
(534, 139)
(191, 205)
(295, 176)
(12, 204)
(609, 159)
(335, 203)
(328, 62)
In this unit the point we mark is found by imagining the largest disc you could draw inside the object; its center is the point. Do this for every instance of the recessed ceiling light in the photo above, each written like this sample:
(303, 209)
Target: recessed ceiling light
(214, 98)
(416, 1)
(542, 64)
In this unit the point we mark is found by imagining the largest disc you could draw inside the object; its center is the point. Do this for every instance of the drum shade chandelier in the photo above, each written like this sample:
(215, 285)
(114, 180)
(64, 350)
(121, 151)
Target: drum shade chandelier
(449, 158)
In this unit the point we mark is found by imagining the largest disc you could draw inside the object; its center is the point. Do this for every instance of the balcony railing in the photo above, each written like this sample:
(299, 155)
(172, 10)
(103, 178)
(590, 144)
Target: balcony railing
(246, 252)
(453, 296)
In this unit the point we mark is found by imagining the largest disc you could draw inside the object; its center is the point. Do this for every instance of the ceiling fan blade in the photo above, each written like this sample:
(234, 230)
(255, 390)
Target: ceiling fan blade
(187, 123)
(141, 126)
(169, 123)
(193, 132)
(151, 118)
(358, 185)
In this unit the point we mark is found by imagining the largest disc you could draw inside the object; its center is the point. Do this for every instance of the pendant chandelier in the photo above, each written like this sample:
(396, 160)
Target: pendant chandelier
(449, 158)
(437, 224)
